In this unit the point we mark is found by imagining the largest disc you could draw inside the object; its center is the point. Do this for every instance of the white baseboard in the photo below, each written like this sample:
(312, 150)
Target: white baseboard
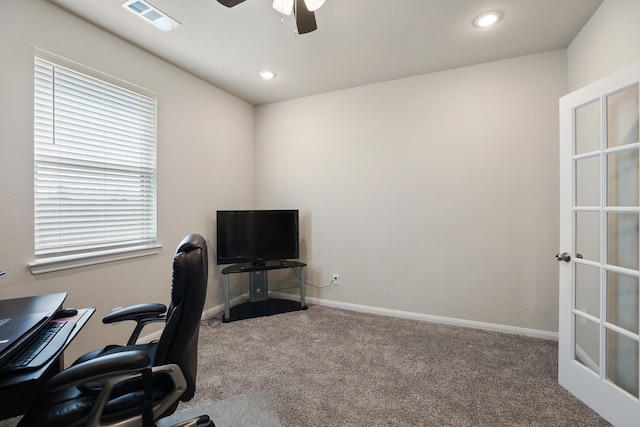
(206, 314)
(219, 309)
(151, 337)
(515, 330)
(586, 360)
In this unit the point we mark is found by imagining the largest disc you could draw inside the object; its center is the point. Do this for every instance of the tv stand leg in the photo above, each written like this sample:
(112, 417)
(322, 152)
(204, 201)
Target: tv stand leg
(302, 303)
(226, 297)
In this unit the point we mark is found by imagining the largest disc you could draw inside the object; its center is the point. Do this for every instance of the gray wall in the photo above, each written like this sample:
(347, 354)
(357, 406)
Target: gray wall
(607, 43)
(199, 129)
(436, 194)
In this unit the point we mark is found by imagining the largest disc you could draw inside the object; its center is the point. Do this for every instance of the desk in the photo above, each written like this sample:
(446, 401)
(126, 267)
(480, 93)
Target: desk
(259, 303)
(19, 390)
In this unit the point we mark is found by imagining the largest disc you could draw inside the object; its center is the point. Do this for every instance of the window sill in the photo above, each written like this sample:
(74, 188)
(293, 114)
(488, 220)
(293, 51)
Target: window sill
(67, 262)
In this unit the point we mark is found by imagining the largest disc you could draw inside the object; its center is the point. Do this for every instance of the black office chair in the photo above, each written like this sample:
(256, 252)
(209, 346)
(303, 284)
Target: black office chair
(135, 385)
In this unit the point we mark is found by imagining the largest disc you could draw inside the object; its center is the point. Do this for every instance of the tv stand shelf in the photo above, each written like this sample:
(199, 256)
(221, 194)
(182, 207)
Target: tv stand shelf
(259, 303)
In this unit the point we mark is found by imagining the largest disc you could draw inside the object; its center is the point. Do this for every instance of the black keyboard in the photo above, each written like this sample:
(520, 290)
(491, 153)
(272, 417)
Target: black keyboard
(45, 345)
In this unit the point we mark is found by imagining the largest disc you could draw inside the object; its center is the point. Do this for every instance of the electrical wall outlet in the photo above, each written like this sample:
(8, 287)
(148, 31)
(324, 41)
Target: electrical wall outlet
(336, 279)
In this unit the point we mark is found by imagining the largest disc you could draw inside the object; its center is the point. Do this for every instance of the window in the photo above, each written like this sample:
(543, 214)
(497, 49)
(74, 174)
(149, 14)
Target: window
(95, 167)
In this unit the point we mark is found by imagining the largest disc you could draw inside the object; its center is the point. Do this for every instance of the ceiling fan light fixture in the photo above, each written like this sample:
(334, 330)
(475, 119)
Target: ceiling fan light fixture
(283, 6)
(313, 5)
(303, 11)
(487, 19)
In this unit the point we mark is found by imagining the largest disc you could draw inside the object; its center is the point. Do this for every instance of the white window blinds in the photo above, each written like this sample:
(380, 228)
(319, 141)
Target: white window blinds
(94, 151)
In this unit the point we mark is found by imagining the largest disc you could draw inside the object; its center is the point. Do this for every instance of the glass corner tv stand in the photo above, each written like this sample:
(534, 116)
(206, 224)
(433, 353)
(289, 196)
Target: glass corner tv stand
(259, 303)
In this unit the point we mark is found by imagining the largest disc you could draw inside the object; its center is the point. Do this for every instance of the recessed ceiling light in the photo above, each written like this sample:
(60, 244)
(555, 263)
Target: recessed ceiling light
(266, 74)
(487, 19)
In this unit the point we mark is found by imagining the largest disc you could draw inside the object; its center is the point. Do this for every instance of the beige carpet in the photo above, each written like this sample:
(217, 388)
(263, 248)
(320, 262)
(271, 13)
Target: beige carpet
(326, 366)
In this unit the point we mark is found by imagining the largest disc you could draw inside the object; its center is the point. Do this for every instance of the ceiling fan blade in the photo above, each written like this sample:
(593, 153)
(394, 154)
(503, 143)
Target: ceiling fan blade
(305, 19)
(230, 3)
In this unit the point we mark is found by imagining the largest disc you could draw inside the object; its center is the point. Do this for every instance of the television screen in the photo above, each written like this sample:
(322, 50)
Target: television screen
(256, 236)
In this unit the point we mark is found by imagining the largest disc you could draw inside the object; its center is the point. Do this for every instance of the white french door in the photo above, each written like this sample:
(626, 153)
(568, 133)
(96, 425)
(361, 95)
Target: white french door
(600, 246)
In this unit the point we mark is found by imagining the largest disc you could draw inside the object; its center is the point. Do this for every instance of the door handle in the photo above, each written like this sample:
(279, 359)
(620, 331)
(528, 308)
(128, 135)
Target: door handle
(563, 257)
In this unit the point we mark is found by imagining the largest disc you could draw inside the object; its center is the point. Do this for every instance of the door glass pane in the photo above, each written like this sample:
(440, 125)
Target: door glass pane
(588, 128)
(622, 362)
(587, 289)
(588, 181)
(622, 183)
(622, 242)
(588, 235)
(622, 118)
(587, 343)
(622, 301)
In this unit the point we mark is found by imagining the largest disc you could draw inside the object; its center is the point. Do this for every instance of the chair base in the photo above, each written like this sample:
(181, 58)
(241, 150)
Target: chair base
(269, 307)
(201, 421)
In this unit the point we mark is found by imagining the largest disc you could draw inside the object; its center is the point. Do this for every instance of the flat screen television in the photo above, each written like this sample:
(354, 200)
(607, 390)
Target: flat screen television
(256, 236)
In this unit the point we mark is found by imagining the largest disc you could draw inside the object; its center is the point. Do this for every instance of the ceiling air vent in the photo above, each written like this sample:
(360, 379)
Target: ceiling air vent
(151, 14)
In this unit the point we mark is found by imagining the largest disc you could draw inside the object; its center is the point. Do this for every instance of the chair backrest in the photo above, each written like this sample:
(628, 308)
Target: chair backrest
(179, 340)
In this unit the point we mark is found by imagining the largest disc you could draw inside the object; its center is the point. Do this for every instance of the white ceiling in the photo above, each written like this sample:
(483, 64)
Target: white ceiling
(358, 42)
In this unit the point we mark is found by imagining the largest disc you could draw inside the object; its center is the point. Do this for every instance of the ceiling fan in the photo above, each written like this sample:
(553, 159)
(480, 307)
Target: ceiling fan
(302, 9)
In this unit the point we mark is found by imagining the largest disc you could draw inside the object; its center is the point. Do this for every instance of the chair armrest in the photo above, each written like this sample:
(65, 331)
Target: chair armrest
(136, 313)
(110, 364)
(113, 369)
(142, 314)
